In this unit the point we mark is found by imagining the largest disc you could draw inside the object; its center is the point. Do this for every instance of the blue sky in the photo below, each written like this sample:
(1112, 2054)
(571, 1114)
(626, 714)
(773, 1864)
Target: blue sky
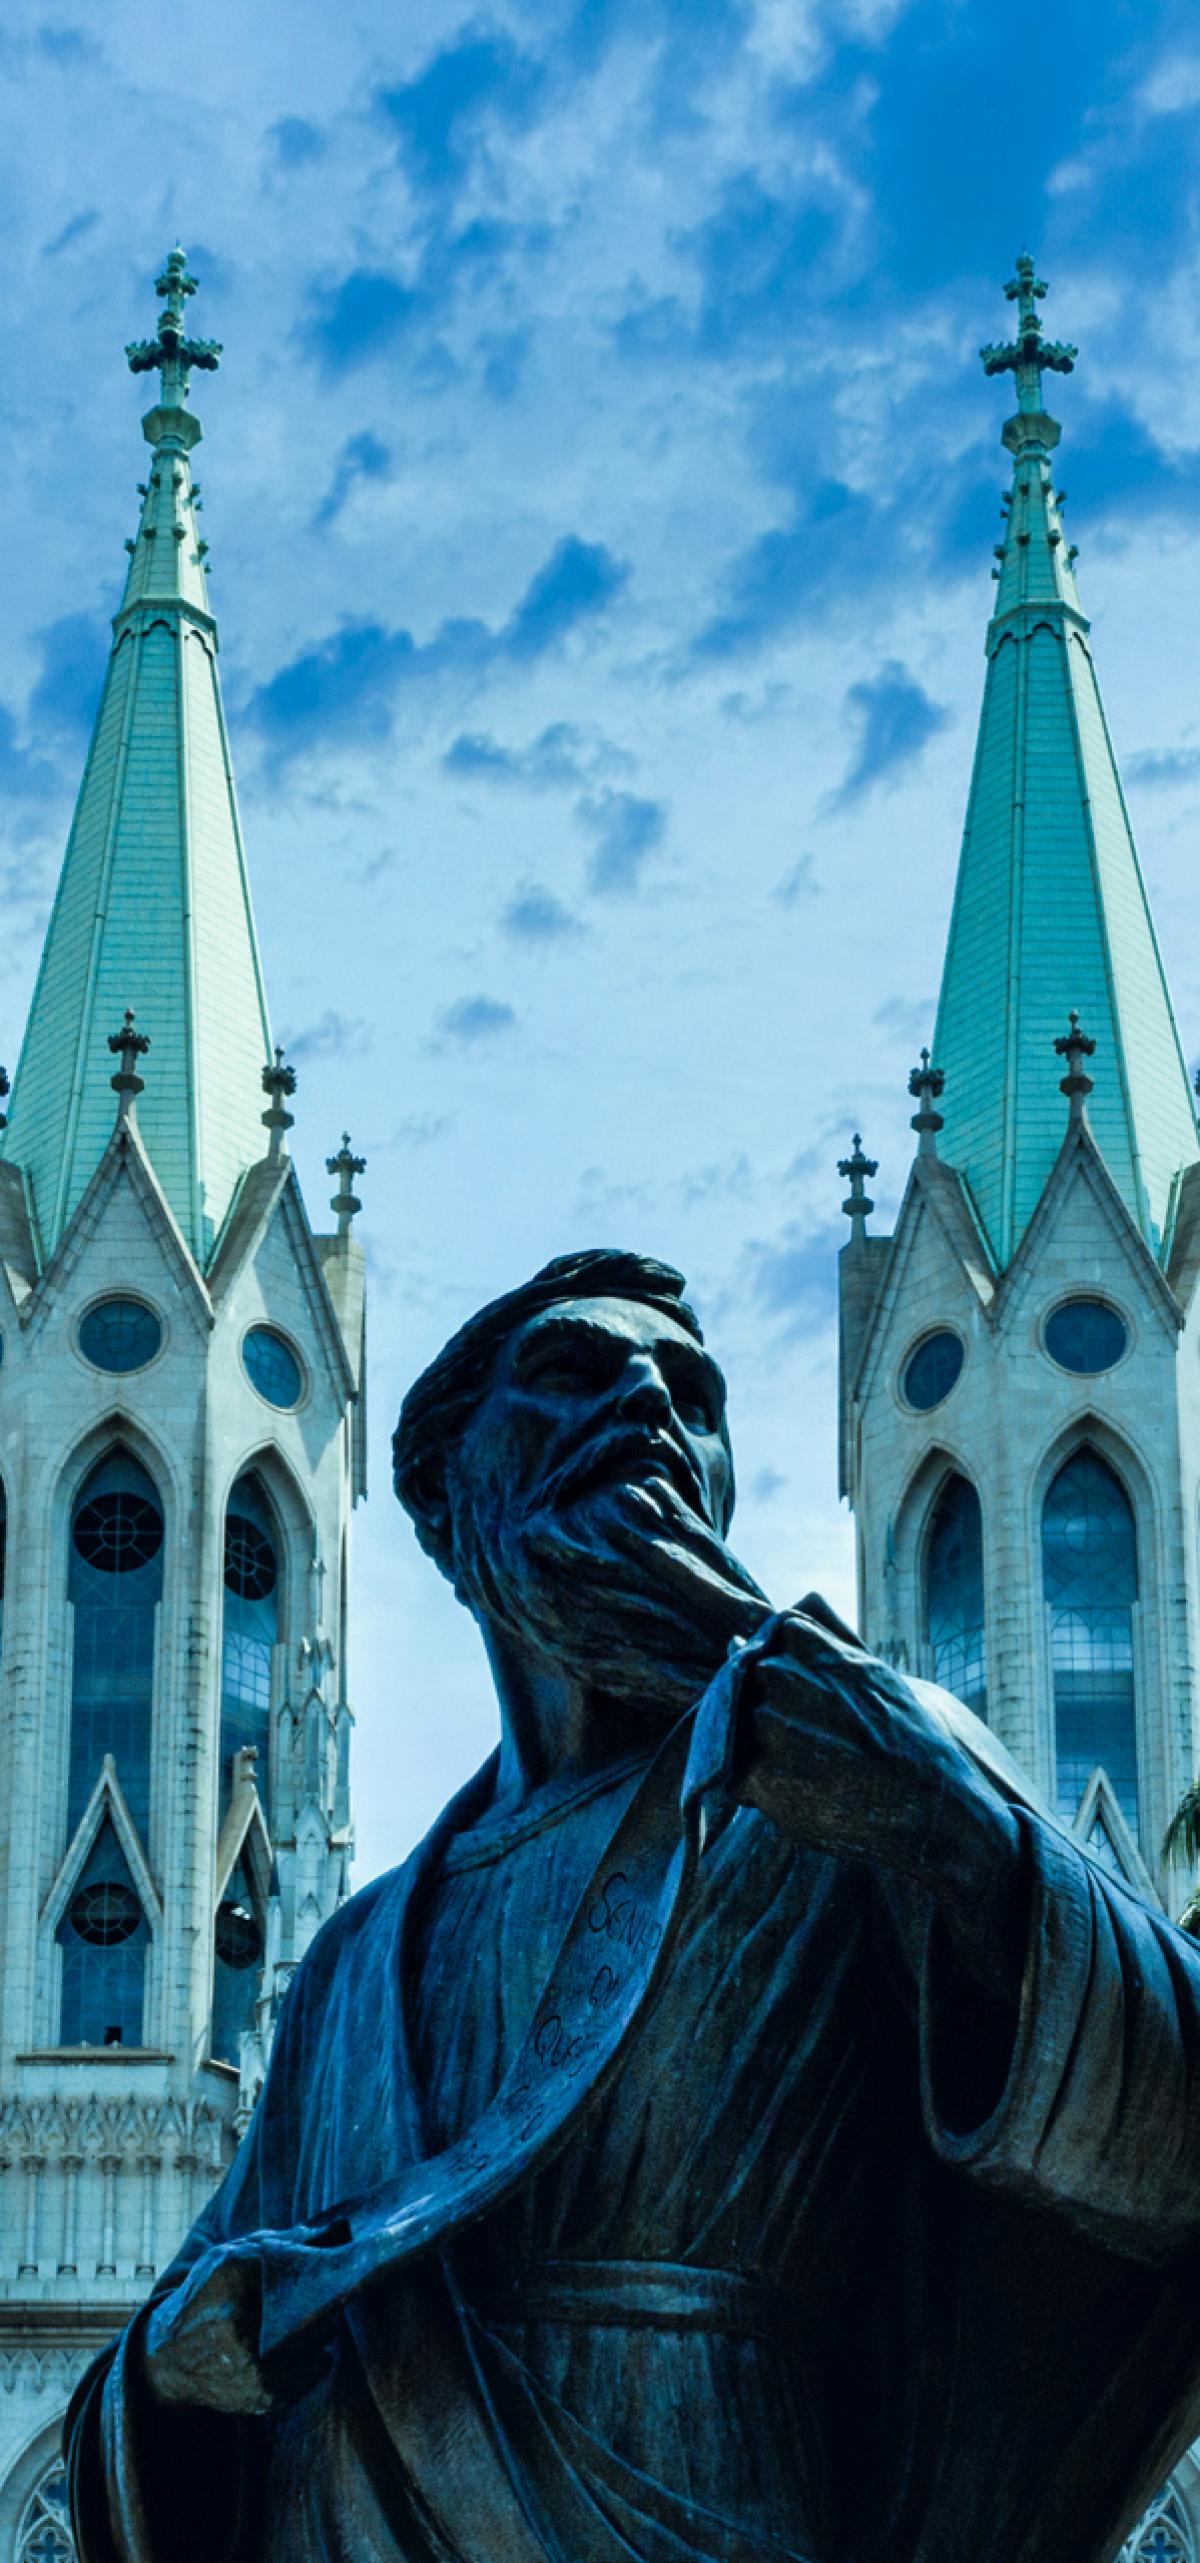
(601, 483)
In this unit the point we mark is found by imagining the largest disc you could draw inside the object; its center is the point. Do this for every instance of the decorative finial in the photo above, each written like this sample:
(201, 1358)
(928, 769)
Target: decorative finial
(345, 1166)
(857, 1171)
(128, 1046)
(925, 1085)
(278, 1080)
(5, 1091)
(1075, 1046)
(172, 353)
(1029, 356)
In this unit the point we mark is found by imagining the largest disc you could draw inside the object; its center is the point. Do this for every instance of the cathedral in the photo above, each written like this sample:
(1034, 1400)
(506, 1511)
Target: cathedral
(1020, 1361)
(182, 1415)
(181, 1449)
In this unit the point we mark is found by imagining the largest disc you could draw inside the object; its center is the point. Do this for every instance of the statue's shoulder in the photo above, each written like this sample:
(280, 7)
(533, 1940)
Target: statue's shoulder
(354, 1930)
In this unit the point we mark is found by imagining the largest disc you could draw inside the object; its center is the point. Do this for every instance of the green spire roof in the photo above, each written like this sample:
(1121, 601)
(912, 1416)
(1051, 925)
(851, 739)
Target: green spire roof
(1050, 910)
(153, 907)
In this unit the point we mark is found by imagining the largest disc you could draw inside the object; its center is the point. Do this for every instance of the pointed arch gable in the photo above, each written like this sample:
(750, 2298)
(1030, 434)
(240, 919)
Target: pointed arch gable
(1100, 1808)
(107, 1803)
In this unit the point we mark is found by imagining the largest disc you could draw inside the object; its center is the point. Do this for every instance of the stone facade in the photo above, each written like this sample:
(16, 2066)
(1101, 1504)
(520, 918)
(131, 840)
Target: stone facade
(1020, 1360)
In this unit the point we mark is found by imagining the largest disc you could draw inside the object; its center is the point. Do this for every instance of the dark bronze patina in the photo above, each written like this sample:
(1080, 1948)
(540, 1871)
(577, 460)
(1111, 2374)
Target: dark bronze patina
(747, 2126)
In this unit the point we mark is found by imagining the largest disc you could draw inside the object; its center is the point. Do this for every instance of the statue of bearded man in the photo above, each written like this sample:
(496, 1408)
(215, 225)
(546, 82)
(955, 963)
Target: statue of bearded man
(747, 2127)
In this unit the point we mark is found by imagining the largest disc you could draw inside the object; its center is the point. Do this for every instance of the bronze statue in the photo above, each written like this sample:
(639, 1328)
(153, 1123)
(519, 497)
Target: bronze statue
(747, 2126)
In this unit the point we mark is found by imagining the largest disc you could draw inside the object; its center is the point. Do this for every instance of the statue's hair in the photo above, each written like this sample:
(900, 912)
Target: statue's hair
(440, 1404)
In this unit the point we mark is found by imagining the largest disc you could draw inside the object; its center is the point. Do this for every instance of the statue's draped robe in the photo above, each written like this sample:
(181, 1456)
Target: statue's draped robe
(772, 2298)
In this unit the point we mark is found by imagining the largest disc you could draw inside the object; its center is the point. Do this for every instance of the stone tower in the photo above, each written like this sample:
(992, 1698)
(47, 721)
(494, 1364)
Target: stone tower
(181, 1447)
(1020, 1362)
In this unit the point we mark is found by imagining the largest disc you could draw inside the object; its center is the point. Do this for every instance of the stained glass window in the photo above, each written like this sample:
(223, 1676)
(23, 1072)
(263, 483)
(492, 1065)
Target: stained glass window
(114, 1583)
(1085, 1335)
(44, 2535)
(237, 1962)
(930, 1372)
(120, 1335)
(250, 1636)
(272, 1367)
(1163, 2536)
(103, 1936)
(1089, 1565)
(954, 1616)
(250, 1633)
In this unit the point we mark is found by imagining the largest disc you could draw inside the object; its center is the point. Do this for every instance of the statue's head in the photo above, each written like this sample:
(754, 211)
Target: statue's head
(566, 1462)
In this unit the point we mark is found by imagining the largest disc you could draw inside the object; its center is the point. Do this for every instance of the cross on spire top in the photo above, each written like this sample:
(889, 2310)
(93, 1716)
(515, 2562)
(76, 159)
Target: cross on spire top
(1029, 355)
(128, 1045)
(172, 353)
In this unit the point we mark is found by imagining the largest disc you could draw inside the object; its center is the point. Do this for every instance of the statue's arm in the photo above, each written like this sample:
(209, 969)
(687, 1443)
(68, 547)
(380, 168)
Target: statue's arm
(1059, 2018)
(838, 1752)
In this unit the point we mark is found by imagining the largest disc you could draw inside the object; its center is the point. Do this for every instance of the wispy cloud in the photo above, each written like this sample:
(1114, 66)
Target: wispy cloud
(895, 719)
(474, 1022)
(345, 687)
(334, 1036)
(560, 758)
(72, 233)
(362, 458)
(479, 85)
(793, 1276)
(626, 829)
(1165, 766)
(535, 915)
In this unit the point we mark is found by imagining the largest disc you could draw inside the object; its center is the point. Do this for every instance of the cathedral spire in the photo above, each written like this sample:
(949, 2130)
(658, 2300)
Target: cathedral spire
(1050, 894)
(153, 906)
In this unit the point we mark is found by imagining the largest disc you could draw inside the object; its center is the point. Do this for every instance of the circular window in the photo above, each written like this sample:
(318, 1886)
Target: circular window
(272, 1367)
(250, 1568)
(238, 1938)
(930, 1372)
(118, 1532)
(120, 1335)
(105, 1913)
(1085, 1335)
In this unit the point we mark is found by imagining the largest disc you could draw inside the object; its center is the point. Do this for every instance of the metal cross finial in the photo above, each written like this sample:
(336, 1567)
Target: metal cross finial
(857, 1171)
(128, 1046)
(345, 1166)
(925, 1085)
(1030, 355)
(172, 353)
(278, 1080)
(1075, 1046)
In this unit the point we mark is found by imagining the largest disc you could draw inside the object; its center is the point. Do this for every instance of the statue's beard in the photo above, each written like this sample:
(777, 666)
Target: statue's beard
(626, 1586)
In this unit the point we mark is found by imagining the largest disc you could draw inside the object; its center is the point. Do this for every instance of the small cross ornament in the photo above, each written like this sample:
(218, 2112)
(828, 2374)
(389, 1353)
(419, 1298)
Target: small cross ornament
(128, 1046)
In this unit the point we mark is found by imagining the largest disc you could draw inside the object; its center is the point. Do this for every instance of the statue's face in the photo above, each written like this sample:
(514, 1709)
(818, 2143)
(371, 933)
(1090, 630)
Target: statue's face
(601, 1393)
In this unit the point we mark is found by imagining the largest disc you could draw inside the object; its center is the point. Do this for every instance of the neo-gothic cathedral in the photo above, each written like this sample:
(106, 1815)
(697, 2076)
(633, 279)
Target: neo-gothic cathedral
(181, 1410)
(181, 1447)
(1020, 1361)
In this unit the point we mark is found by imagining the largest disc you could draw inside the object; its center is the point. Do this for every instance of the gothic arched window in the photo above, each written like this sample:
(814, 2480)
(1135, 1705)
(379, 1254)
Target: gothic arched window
(1089, 1567)
(114, 1585)
(954, 1616)
(44, 2535)
(1164, 2535)
(104, 1937)
(250, 1632)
